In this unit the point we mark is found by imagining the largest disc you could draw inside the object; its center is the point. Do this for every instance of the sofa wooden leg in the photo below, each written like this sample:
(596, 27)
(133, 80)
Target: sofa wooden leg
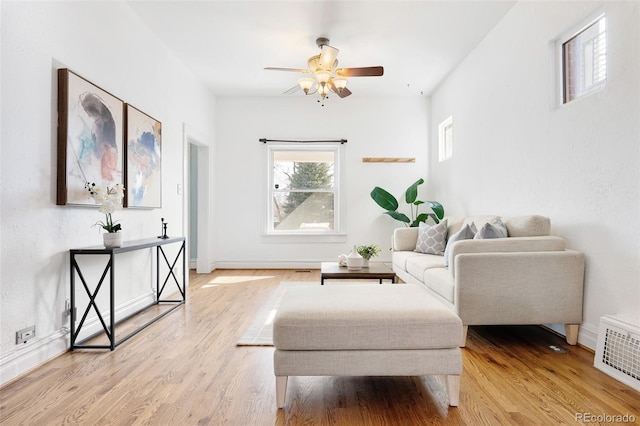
(281, 390)
(465, 329)
(453, 389)
(571, 330)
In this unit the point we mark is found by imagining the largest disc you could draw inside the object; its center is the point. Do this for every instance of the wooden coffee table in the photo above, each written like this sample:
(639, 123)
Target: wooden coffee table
(378, 271)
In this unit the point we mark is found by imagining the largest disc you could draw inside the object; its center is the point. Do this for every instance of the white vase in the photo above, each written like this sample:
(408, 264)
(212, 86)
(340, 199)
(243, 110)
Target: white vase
(354, 260)
(112, 239)
(365, 263)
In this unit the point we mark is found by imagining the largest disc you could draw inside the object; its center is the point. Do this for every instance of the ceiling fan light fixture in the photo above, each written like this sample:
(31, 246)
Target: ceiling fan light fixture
(323, 90)
(305, 84)
(340, 83)
(322, 76)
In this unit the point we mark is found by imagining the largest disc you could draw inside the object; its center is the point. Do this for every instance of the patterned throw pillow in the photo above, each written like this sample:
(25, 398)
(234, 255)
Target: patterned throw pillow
(495, 229)
(466, 233)
(432, 239)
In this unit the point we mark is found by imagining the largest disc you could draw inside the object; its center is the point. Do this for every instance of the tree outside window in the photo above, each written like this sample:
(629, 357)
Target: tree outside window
(303, 190)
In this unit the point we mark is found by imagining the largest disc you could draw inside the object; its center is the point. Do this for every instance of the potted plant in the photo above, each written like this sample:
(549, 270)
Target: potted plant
(110, 200)
(367, 252)
(388, 202)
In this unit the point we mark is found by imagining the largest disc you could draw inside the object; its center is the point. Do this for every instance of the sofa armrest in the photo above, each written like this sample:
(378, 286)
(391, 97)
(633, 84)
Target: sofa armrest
(404, 239)
(505, 245)
(520, 287)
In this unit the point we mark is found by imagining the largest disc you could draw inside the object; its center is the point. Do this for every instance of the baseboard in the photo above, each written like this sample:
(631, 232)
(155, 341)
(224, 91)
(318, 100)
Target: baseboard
(32, 354)
(41, 350)
(93, 325)
(268, 265)
(587, 336)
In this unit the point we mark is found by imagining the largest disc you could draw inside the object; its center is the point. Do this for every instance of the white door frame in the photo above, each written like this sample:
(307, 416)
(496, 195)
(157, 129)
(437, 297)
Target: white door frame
(204, 261)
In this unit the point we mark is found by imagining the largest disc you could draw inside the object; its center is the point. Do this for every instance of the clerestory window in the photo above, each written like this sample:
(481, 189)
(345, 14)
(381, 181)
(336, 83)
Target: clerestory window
(584, 60)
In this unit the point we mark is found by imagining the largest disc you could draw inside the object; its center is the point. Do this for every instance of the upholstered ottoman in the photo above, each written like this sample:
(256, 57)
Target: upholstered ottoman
(365, 330)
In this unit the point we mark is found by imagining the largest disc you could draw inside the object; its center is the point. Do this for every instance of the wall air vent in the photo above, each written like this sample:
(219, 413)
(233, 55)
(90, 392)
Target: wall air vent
(618, 351)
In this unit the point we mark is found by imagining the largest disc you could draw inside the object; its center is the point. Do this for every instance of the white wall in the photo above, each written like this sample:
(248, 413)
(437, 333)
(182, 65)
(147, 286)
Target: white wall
(393, 127)
(517, 153)
(106, 43)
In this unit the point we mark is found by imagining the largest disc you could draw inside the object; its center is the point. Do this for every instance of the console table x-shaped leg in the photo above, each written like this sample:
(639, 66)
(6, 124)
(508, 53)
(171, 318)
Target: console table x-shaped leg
(109, 270)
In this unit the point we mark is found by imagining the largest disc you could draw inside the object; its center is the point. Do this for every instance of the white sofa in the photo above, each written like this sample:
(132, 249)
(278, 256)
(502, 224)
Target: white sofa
(529, 277)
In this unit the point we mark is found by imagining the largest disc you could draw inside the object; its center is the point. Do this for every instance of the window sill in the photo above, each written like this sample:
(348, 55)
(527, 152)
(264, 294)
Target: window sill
(307, 237)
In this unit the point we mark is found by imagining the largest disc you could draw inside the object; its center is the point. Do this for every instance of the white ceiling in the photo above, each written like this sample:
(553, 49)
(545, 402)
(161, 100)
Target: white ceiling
(228, 43)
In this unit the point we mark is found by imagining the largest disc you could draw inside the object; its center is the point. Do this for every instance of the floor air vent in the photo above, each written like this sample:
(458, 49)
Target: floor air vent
(618, 351)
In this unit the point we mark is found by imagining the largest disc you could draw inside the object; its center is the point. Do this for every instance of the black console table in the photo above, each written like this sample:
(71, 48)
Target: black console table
(127, 246)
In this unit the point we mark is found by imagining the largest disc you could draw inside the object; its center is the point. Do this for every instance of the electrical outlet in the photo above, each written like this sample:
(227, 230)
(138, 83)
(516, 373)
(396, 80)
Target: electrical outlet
(22, 336)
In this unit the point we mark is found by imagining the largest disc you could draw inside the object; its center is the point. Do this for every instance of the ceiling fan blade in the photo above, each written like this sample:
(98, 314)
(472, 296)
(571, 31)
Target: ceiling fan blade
(341, 93)
(294, 89)
(344, 92)
(288, 69)
(328, 57)
(361, 72)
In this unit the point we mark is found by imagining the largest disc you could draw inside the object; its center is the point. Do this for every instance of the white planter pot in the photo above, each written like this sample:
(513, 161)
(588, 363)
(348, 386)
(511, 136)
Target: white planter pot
(112, 239)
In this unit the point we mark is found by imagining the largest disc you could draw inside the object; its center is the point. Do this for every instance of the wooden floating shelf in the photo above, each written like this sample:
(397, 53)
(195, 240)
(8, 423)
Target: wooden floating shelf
(388, 160)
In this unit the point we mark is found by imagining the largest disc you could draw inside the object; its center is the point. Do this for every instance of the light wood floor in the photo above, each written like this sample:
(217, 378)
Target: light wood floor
(187, 370)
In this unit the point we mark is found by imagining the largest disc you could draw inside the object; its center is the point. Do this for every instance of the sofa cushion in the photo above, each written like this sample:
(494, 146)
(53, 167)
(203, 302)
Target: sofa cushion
(405, 239)
(466, 233)
(479, 221)
(399, 258)
(528, 226)
(494, 229)
(441, 282)
(416, 265)
(432, 238)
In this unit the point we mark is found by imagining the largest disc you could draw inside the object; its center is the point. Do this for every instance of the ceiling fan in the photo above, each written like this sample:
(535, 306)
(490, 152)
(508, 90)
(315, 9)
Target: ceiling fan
(326, 76)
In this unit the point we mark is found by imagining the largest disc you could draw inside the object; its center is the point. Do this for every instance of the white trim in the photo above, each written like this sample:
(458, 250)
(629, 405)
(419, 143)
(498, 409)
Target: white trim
(337, 237)
(32, 354)
(39, 351)
(558, 43)
(92, 324)
(260, 264)
(443, 154)
(337, 234)
(205, 183)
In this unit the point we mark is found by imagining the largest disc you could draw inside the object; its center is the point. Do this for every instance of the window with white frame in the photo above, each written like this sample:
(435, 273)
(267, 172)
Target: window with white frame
(445, 139)
(304, 187)
(584, 60)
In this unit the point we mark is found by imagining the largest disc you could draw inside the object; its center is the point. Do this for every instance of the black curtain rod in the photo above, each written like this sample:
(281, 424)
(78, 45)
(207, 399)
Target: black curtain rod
(264, 140)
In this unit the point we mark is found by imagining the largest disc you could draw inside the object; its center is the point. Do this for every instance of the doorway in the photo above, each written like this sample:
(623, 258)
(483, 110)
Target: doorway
(198, 205)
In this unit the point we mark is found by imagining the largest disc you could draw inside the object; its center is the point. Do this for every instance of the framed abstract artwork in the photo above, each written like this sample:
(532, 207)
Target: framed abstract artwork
(143, 172)
(90, 138)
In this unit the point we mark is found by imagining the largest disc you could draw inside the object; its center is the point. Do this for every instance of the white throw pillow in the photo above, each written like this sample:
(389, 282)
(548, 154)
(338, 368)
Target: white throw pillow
(495, 229)
(432, 239)
(466, 233)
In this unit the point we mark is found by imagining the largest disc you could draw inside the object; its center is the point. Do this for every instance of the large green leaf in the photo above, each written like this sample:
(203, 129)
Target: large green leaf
(384, 199)
(437, 208)
(434, 217)
(422, 217)
(412, 192)
(398, 216)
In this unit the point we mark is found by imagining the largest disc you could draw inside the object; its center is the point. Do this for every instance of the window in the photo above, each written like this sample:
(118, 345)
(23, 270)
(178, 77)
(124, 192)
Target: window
(303, 189)
(445, 139)
(584, 61)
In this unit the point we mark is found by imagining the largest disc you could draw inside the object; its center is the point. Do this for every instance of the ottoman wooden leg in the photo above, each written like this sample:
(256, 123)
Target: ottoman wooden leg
(281, 390)
(453, 389)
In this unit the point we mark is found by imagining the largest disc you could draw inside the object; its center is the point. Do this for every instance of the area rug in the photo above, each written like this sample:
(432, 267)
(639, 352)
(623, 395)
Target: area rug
(260, 331)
